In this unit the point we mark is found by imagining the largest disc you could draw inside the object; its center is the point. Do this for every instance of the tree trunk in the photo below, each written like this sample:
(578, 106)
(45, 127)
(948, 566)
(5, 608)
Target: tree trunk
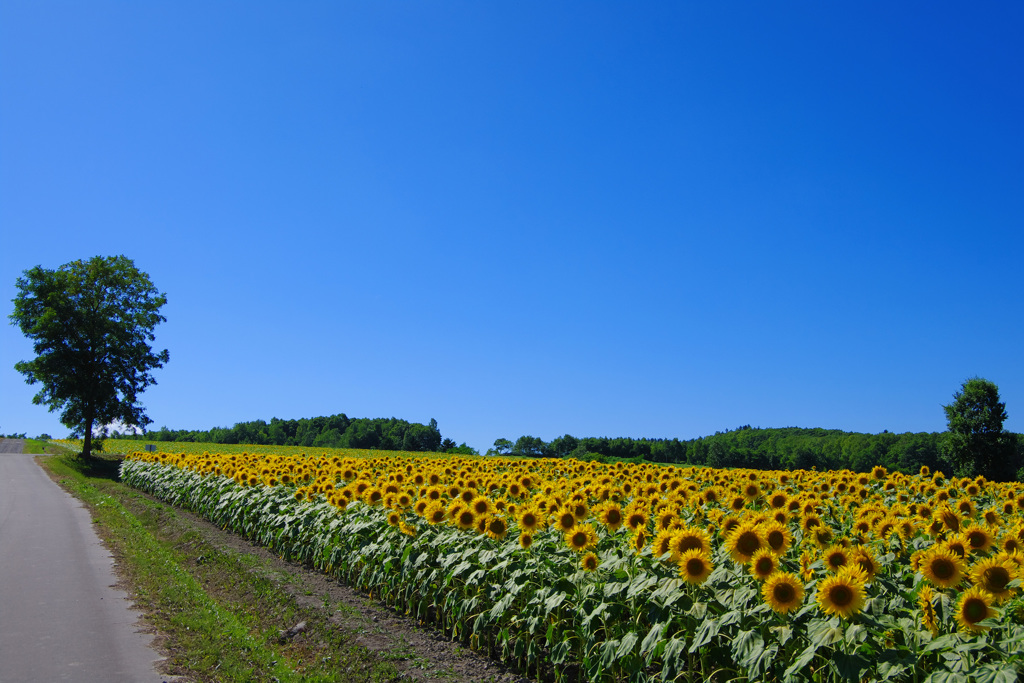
(87, 445)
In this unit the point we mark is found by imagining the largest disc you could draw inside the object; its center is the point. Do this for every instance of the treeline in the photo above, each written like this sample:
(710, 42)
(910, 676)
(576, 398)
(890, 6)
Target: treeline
(777, 448)
(334, 431)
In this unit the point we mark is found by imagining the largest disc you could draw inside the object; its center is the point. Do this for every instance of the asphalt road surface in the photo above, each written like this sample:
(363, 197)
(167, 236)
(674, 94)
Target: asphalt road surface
(60, 617)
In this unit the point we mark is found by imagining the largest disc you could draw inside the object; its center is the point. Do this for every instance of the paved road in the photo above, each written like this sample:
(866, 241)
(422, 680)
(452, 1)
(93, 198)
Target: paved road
(60, 617)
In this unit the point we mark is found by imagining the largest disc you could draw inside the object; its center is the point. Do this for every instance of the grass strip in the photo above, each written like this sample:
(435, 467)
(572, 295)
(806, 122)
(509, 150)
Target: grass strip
(219, 615)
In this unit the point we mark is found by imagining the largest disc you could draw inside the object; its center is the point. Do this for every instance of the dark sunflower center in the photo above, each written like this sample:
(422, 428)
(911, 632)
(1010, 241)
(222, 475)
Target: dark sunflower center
(840, 596)
(996, 578)
(690, 543)
(836, 560)
(748, 543)
(974, 610)
(942, 568)
(783, 593)
(579, 539)
(695, 566)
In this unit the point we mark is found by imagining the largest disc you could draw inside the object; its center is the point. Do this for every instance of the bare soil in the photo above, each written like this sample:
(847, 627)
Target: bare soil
(420, 652)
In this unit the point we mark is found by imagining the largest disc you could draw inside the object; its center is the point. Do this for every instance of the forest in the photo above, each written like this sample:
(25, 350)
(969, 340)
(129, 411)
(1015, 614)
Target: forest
(334, 431)
(772, 448)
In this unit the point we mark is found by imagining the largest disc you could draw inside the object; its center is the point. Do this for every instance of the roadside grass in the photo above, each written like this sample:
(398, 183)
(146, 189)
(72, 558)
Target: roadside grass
(220, 613)
(41, 447)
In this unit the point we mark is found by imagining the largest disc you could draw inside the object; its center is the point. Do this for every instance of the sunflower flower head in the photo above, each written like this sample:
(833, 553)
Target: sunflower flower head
(695, 566)
(783, 592)
(842, 594)
(974, 606)
(943, 568)
(763, 564)
(927, 607)
(743, 541)
(993, 575)
(581, 537)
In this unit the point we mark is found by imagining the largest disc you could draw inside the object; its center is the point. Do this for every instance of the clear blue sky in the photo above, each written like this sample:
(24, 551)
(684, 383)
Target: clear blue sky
(602, 219)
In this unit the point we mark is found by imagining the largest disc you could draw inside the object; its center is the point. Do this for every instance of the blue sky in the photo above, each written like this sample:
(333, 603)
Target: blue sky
(592, 218)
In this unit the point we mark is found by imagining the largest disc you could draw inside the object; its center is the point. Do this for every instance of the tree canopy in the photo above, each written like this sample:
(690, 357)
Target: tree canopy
(975, 442)
(91, 324)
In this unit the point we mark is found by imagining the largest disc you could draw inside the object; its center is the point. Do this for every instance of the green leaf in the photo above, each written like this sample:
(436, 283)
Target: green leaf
(824, 632)
(945, 677)
(850, 667)
(946, 642)
(654, 637)
(554, 601)
(747, 648)
(995, 673)
(707, 631)
(626, 644)
(801, 661)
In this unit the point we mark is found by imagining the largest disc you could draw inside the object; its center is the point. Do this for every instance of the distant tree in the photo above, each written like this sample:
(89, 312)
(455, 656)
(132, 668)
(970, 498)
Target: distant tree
(529, 446)
(976, 443)
(91, 323)
(502, 446)
(562, 446)
(422, 438)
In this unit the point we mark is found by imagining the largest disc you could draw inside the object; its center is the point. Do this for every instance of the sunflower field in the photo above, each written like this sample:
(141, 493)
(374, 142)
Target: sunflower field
(637, 572)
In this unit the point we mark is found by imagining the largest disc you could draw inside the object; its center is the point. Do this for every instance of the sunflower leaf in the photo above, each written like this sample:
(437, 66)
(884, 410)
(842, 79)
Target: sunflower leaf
(707, 631)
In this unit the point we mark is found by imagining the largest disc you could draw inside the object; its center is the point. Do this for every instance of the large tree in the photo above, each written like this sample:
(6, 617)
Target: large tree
(91, 323)
(976, 443)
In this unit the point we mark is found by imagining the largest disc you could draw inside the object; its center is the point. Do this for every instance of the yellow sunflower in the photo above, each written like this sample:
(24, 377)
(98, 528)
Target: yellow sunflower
(589, 562)
(662, 543)
(743, 541)
(864, 559)
(636, 519)
(978, 538)
(565, 521)
(529, 519)
(581, 537)
(690, 538)
(763, 564)
(958, 544)
(481, 505)
(842, 594)
(611, 516)
(783, 592)
(695, 566)
(992, 575)
(835, 558)
(777, 536)
(497, 527)
(435, 512)
(943, 567)
(974, 605)
(949, 518)
(928, 617)
(464, 518)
